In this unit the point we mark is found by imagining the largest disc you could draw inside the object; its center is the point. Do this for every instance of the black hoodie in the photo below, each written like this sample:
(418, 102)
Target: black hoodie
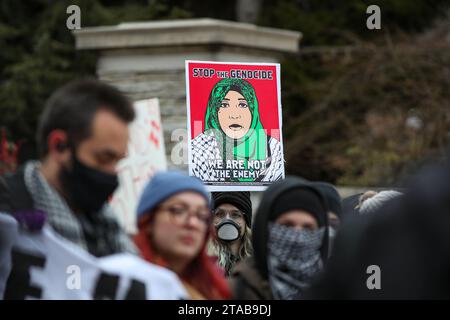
(408, 239)
(249, 279)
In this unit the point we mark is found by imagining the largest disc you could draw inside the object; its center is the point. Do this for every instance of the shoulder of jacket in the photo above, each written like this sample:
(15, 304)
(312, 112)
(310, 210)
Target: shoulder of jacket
(247, 281)
(14, 194)
(13, 184)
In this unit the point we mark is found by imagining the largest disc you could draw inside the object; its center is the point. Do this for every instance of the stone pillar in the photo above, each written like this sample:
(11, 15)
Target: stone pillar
(147, 59)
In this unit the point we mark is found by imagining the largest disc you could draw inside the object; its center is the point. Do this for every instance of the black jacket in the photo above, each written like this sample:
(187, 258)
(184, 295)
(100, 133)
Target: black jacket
(14, 195)
(244, 283)
(260, 230)
(103, 234)
(408, 239)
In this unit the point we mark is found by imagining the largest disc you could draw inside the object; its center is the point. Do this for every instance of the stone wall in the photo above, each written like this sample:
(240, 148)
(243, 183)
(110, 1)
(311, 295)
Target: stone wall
(147, 60)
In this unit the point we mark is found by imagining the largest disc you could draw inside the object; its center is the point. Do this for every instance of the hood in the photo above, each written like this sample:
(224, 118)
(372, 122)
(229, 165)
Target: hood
(260, 225)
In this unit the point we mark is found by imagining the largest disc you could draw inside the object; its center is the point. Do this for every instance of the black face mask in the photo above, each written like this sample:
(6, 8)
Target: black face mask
(88, 189)
(228, 230)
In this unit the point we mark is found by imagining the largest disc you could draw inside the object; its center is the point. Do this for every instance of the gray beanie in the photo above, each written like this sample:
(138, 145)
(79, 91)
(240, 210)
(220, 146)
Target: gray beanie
(376, 200)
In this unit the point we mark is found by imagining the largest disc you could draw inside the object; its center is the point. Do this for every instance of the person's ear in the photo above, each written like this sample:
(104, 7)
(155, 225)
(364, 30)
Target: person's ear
(58, 144)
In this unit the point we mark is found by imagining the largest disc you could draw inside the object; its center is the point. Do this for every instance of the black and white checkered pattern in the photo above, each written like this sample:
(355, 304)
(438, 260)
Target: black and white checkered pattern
(293, 259)
(205, 148)
(275, 170)
(99, 234)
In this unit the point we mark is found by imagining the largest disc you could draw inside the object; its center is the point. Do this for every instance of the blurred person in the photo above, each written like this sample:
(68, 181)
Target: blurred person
(174, 222)
(371, 201)
(407, 240)
(350, 205)
(335, 212)
(8, 227)
(82, 135)
(232, 218)
(290, 242)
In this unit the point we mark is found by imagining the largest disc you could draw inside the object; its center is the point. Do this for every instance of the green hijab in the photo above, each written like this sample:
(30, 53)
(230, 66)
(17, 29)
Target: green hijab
(252, 146)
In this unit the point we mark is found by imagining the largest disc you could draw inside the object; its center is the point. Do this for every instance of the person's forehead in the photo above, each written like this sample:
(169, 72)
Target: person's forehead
(187, 198)
(109, 131)
(297, 215)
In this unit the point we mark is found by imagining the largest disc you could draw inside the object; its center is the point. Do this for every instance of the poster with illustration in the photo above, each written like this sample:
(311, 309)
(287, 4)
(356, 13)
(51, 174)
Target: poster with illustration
(234, 124)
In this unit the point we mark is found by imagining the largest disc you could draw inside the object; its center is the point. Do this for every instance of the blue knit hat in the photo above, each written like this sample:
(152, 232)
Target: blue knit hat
(163, 185)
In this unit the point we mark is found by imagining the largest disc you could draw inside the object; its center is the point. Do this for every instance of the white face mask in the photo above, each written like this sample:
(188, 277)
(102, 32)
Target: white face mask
(228, 230)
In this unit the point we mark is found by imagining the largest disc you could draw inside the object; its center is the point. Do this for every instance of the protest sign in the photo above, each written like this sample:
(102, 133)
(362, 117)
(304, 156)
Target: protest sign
(43, 265)
(234, 124)
(146, 155)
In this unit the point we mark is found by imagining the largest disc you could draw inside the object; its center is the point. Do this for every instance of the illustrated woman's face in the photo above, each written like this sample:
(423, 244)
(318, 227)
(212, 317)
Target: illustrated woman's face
(234, 115)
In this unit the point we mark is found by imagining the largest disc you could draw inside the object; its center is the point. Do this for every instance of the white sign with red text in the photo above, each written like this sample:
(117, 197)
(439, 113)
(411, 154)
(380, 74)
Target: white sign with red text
(146, 155)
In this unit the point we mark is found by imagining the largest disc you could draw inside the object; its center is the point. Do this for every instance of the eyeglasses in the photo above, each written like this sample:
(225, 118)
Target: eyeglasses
(233, 214)
(181, 214)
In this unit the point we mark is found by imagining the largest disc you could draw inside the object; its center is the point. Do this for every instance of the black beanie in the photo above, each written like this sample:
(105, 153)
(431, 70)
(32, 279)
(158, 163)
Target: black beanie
(240, 200)
(332, 196)
(300, 199)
